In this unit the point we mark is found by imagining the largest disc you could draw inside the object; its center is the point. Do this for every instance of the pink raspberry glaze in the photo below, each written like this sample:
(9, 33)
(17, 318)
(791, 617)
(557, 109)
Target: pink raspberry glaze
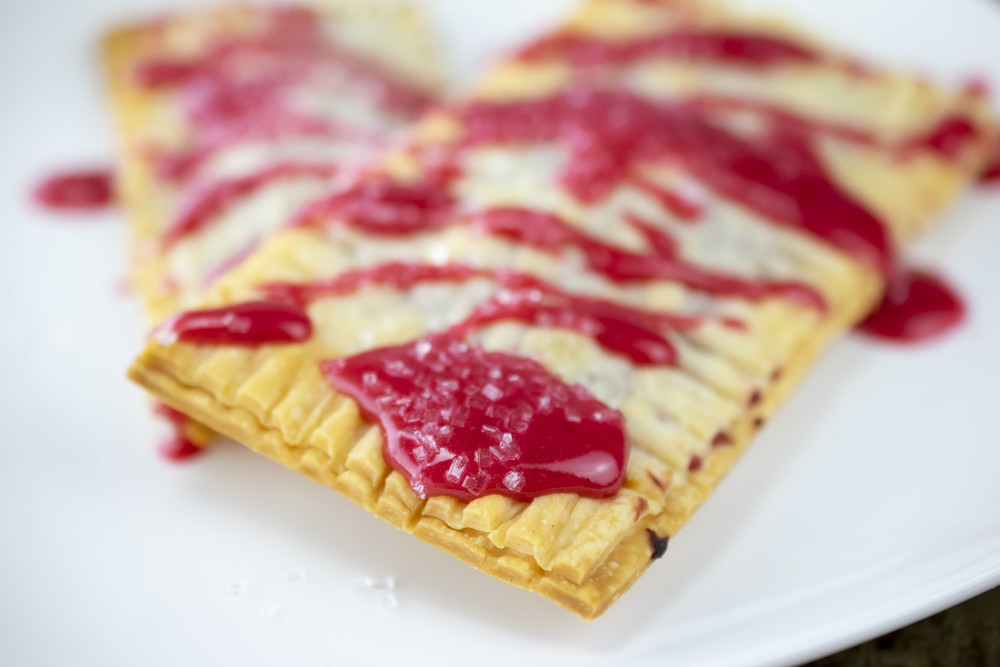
(757, 50)
(609, 131)
(917, 306)
(250, 323)
(77, 191)
(177, 447)
(384, 207)
(463, 422)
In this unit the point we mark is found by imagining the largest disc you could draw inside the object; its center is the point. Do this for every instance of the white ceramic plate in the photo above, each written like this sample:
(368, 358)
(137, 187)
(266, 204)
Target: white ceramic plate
(870, 501)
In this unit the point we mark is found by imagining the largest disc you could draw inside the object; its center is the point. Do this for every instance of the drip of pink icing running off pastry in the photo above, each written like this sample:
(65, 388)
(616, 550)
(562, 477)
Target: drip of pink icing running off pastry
(77, 191)
(990, 174)
(917, 306)
(462, 422)
(177, 447)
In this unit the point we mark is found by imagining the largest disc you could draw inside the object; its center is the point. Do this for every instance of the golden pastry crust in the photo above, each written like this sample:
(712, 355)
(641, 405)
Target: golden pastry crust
(582, 553)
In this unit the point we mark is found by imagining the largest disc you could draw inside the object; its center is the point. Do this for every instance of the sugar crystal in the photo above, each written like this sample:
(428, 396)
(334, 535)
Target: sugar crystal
(492, 392)
(381, 588)
(483, 456)
(457, 468)
(421, 349)
(514, 480)
(164, 335)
